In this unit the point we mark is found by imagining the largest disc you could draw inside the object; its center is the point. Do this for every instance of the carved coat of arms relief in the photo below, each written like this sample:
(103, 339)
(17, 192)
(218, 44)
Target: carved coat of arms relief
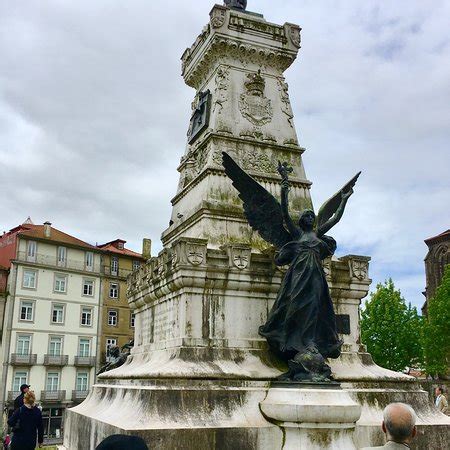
(253, 105)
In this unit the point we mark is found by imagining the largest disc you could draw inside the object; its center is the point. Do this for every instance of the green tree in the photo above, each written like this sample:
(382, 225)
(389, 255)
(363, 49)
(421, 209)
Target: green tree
(391, 329)
(436, 330)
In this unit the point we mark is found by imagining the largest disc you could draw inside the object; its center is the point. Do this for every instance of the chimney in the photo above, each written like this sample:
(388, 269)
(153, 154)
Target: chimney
(47, 229)
(146, 248)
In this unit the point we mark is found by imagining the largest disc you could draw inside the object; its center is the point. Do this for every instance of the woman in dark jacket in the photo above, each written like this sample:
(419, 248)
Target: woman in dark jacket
(27, 425)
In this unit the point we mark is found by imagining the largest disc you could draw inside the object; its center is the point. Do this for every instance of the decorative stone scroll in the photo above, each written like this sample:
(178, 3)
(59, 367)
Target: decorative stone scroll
(254, 106)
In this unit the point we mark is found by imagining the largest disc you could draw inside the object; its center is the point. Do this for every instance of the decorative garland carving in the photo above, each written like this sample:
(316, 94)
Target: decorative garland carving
(286, 107)
(222, 84)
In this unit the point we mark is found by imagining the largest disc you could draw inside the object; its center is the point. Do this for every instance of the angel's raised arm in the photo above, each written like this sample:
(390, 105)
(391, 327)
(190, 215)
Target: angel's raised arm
(284, 170)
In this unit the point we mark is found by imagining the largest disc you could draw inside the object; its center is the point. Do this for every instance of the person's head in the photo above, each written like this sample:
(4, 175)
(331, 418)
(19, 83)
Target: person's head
(307, 219)
(439, 391)
(29, 398)
(24, 388)
(121, 441)
(399, 422)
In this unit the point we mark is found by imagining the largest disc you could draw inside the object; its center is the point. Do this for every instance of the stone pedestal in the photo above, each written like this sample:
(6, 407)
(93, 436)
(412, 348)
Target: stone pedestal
(314, 417)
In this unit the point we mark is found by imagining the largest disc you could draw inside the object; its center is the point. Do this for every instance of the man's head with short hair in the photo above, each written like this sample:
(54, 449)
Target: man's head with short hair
(439, 391)
(399, 423)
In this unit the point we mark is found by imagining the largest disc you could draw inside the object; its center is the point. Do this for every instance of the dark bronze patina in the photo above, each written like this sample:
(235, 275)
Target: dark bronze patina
(301, 327)
(236, 4)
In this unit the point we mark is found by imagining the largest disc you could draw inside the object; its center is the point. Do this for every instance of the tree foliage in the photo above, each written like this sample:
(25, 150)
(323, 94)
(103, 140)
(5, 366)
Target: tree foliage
(436, 330)
(391, 329)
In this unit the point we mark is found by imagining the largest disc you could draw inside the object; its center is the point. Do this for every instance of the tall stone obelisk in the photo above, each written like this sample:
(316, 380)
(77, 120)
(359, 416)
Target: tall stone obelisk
(199, 376)
(241, 106)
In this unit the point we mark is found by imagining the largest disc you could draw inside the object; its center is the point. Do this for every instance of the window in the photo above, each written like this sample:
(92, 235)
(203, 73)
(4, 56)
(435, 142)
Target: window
(113, 290)
(89, 261)
(84, 347)
(132, 319)
(112, 318)
(62, 256)
(114, 265)
(82, 381)
(86, 316)
(110, 342)
(52, 384)
(60, 283)
(31, 251)
(19, 379)
(55, 346)
(29, 279)
(136, 265)
(88, 288)
(26, 310)
(57, 313)
(23, 346)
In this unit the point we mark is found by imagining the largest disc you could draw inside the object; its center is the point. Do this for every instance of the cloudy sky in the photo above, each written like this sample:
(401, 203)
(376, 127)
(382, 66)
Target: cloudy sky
(94, 112)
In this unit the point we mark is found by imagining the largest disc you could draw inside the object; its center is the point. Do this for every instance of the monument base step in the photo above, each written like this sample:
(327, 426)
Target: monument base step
(217, 415)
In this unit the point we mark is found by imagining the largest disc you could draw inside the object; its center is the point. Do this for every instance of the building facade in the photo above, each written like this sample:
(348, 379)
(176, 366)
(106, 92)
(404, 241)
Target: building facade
(117, 320)
(437, 258)
(51, 318)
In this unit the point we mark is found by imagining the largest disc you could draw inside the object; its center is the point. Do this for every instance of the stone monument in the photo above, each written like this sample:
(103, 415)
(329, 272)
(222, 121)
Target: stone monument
(200, 376)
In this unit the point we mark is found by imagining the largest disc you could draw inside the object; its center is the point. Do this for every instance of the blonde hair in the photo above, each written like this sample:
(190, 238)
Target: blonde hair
(29, 398)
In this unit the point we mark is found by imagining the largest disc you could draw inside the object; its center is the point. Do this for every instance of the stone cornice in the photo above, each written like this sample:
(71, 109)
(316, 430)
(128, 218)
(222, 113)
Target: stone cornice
(242, 37)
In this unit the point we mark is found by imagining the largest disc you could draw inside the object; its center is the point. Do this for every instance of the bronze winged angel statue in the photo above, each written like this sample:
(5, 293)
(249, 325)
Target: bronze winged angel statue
(301, 327)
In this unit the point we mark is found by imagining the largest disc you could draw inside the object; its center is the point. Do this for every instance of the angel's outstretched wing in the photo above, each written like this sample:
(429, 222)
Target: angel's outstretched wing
(330, 207)
(261, 209)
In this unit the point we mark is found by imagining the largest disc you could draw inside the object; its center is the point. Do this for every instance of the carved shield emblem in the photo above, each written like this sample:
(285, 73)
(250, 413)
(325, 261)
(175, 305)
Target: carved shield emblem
(360, 269)
(258, 110)
(195, 254)
(241, 258)
(254, 106)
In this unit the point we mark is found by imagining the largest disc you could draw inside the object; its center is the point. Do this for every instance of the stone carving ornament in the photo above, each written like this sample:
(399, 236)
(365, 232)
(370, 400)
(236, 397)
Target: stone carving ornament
(286, 107)
(222, 83)
(301, 327)
(359, 269)
(195, 254)
(240, 257)
(294, 34)
(217, 17)
(254, 106)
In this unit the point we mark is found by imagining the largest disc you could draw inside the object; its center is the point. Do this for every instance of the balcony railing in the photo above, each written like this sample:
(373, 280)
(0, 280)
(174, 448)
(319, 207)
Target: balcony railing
(79, 395)
(58, 360)
(121, 273)
(84, 361)
(53, 396)
(22, 360)
(12, 395)
(49, 260)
